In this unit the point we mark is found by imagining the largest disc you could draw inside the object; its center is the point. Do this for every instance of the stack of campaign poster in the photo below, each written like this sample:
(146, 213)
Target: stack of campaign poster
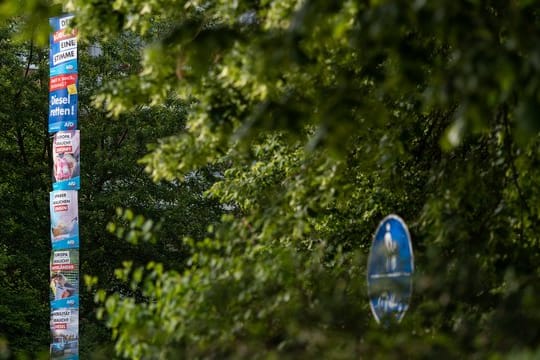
(63, 204)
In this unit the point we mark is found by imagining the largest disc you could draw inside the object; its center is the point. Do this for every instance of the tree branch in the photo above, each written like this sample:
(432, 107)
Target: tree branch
(515, 175)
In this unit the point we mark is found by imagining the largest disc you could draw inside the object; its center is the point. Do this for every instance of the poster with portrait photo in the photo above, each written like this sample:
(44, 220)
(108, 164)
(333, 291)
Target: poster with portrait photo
(66, 160)
(64, 219)
(64, 279)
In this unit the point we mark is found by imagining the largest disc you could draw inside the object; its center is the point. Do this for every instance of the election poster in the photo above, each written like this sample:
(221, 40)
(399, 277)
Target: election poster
(66, 160)
(64, 213)
(64, 325)
(64, 279)
(64, 219)
(63, 92)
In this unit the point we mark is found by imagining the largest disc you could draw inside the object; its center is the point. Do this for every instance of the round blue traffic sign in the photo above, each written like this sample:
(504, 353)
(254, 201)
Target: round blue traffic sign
(390, 269)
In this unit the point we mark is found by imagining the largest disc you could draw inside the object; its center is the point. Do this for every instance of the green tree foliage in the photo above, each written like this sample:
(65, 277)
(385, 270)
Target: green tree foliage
(111, 180)
(328, 116)
(24, 250)
(324, 117)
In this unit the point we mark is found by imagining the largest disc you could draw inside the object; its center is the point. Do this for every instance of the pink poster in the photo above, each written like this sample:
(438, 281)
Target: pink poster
(66, 160)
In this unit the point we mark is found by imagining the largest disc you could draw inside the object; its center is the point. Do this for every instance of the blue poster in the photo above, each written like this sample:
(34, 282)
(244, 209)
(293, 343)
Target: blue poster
(63, 94)
(390, 269)
(62, 41)
(63, 104)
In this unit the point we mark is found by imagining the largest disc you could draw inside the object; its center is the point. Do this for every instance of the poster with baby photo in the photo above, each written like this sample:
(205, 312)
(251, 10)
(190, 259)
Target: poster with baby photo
(66, 160)
(64, 219)
(64, 280)
(65, 334)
